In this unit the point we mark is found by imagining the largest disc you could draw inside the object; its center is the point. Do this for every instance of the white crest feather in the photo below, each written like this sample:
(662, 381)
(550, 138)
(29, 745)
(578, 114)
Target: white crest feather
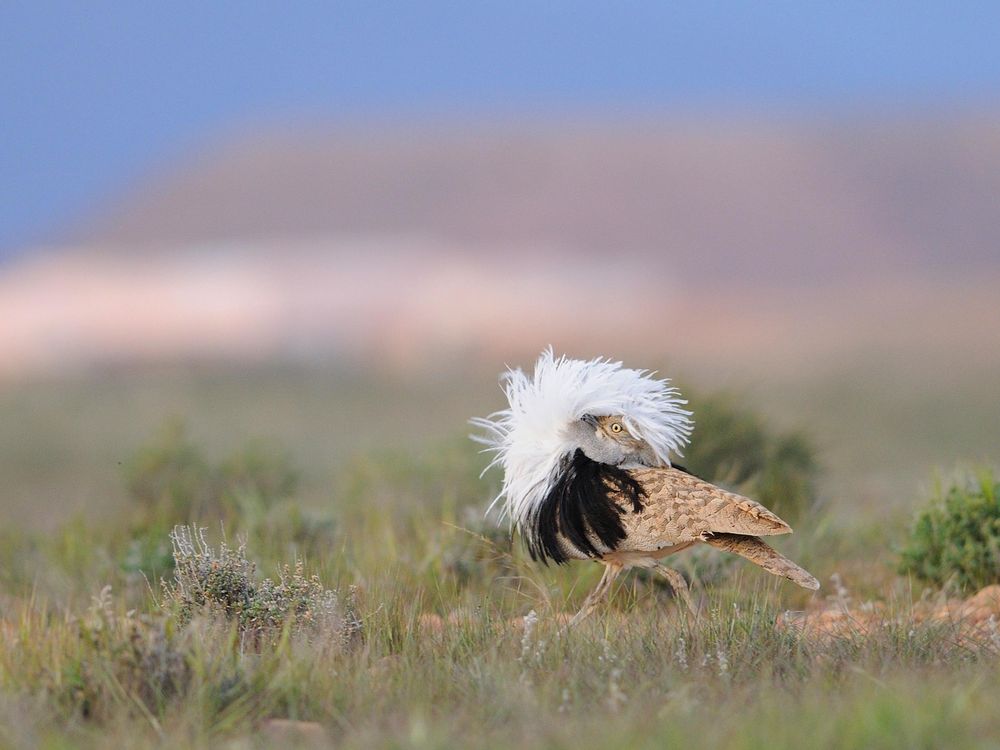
(530, 439)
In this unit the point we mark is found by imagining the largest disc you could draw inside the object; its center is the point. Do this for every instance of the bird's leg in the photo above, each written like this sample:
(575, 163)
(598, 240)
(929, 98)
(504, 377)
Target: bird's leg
(611, 572)
(679, 585)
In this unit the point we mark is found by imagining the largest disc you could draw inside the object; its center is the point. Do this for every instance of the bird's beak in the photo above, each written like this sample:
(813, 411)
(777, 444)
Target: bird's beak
(589, 419)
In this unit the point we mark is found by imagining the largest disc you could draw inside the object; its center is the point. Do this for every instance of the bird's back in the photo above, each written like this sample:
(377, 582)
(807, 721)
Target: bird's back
(679, 508)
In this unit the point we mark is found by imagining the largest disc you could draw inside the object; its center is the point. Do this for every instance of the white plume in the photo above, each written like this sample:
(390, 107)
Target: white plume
(530, 438)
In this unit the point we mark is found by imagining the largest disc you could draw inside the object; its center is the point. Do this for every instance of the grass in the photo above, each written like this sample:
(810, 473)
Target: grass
(458, 639)
(642, 675)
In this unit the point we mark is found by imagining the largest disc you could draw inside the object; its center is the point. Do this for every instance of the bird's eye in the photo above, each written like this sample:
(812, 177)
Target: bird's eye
(615, 427)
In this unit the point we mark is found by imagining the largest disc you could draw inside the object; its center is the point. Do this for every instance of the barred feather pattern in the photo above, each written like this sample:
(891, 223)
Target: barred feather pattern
(529, 439)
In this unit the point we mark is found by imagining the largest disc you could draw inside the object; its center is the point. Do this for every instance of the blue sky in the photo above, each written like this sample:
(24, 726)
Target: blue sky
(93, 95)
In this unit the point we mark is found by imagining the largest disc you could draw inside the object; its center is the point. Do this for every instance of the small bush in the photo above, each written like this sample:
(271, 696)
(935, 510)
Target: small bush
(169, 477)
(171, 481)
(955, 540)
(223, 584)
(734, 447)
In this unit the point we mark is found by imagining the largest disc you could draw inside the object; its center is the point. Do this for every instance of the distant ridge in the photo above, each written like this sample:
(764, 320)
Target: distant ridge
(735, 249)
(726, 202)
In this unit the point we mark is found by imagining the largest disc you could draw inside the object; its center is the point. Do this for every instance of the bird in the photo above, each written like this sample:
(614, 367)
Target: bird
(585, 447)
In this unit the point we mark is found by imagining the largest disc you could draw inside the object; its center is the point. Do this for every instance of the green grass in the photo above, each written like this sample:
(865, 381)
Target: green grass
(639, 675)
(443, 658)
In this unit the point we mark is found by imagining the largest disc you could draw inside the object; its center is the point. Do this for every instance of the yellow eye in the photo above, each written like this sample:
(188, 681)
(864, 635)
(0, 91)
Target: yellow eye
(615, 427)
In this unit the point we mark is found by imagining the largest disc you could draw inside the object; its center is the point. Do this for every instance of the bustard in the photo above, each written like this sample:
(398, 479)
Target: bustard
(585, 450)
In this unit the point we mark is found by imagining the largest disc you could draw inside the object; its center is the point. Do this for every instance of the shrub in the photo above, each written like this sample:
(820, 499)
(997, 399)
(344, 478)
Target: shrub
(734, 447)
(223, 584)
(955, 539)
(169, 476)
(170, 480)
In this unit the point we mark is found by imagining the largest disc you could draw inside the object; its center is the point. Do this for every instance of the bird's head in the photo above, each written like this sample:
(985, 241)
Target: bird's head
(609, 440)
(614, 414)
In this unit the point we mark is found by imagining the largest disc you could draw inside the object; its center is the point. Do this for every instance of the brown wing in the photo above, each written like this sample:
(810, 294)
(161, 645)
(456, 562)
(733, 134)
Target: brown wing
(681, 508)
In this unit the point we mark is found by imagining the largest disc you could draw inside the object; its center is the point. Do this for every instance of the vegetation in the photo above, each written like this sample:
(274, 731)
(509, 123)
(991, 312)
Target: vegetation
(222, 585)
(955, 540)
(170, 478)
(392, 613)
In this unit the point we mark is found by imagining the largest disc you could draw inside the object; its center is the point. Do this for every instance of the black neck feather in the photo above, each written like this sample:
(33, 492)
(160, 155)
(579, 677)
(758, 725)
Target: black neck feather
(579, 508)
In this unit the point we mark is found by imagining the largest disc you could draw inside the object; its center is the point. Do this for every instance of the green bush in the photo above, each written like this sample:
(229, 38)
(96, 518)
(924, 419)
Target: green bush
(171, 481)
(734, 447)
(955, 540)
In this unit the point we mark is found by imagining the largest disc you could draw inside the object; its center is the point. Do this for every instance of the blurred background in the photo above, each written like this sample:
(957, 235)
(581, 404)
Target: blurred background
(333, 224)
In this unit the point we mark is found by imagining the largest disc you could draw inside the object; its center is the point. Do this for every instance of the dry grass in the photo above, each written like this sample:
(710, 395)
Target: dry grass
(446, 651)
(641, 675)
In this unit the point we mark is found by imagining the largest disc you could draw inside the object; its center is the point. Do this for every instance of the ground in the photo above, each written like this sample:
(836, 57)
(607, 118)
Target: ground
(460, 638)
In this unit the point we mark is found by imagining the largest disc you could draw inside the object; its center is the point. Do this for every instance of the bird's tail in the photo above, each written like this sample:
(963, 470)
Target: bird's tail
(756, 551)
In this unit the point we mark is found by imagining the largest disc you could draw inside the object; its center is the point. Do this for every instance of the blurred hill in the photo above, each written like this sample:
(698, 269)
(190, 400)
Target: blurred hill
(788, 246)
(722, 203)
